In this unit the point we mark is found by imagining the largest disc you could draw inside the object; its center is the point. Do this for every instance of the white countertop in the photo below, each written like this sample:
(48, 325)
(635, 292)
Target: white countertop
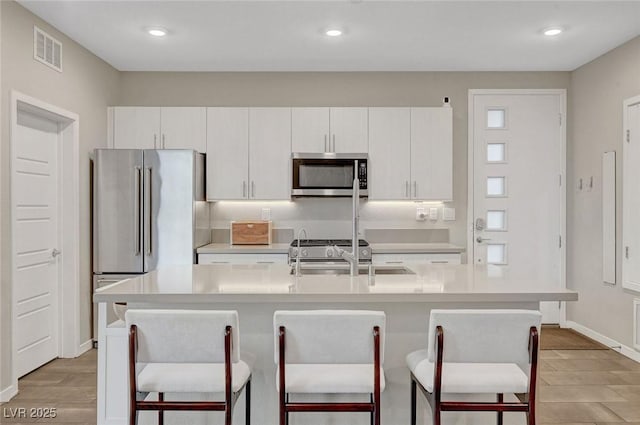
(257, 283)
(376, 248)
(226, 248)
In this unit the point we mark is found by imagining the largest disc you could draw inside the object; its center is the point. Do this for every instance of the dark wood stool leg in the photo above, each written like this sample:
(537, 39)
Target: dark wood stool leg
(371, 416)
(531, 415)
(500, 400)
(247, 407)
(413, 402)
(133, 414)
(160, 412)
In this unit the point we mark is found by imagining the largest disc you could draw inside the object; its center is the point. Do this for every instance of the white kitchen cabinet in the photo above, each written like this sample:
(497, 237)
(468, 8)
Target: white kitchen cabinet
(159, 128)
(341, 130)
(432, 153)
(227, 153)
(269, 153)
(233, 258)
(431, 258)
(184, 128)
(410, 151)
(389, 153)
(248, 153)
(136, 127)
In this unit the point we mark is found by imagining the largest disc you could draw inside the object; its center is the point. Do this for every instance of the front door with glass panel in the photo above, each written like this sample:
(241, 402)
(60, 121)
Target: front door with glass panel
(518, 151)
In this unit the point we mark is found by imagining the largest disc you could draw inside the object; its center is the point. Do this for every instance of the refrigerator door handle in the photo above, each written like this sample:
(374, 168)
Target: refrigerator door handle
(136, 209)
(147, 208)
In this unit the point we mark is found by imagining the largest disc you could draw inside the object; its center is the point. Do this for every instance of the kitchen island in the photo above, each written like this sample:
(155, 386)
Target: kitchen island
(256, 291)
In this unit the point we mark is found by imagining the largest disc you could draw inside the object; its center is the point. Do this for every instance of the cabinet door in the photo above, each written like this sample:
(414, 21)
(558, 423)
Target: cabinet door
(184, 128)
(432, 153)
(269, 153)
(349, 130)
(310, 130)
(227, 153)
(389, 153)
(136, 127)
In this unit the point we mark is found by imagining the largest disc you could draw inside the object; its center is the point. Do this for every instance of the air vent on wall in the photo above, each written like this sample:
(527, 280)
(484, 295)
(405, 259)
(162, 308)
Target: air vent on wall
(47, 49)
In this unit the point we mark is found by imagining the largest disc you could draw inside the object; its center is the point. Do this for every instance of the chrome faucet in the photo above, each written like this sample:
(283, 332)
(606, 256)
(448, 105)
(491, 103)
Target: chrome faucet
(299, 254)
(353, 257)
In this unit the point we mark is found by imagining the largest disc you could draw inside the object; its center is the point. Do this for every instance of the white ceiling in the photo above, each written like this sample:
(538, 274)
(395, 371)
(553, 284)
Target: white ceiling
(380, 35)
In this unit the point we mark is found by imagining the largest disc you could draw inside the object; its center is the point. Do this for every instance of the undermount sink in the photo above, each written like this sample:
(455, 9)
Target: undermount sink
(335, 270)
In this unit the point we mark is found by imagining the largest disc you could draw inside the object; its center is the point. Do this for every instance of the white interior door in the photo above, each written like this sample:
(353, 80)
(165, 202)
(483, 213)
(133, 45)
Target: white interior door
(518, 145)
(36, 241)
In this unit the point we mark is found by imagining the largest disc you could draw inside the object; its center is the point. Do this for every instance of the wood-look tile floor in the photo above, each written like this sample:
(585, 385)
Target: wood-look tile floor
(575, 387)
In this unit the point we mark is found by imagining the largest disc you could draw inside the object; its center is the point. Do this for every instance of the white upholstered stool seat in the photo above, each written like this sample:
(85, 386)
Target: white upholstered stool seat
(329, 352)
(477, 352)
(476, 378)
(330, 378)
(191, 377)
(185, 351)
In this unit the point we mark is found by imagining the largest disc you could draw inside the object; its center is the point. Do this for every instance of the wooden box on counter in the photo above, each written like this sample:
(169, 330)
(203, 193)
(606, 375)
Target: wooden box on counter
(257, 232)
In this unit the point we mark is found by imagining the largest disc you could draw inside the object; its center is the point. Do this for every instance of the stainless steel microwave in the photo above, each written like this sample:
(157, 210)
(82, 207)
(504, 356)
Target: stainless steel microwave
(328, 174)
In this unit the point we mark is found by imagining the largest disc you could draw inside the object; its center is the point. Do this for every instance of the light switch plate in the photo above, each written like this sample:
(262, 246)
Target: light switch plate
(266, 213)
(433, 213)
(448, 214)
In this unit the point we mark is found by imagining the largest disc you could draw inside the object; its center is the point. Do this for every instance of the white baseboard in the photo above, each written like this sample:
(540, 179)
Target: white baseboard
(8, 393)
(605, 340)
(85, 346)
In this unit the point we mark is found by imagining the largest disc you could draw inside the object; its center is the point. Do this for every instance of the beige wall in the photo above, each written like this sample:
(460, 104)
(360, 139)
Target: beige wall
(87, 86)
(337, 89)
(597, 91)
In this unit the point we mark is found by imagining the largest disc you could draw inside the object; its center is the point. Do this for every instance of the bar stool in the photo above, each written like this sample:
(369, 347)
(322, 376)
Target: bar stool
(185, 351)
(329, 352)
(478, 351)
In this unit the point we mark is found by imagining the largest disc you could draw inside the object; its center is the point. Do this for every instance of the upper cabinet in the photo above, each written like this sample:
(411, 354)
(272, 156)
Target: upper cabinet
(159, 128)
(341, 130)
(389, 153)
(410, 152)
(248, 153)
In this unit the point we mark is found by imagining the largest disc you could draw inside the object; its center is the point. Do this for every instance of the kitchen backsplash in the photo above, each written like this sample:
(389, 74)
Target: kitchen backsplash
(331, 218)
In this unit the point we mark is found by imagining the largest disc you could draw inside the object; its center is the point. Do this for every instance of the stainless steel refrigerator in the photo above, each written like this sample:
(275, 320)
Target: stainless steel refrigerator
(149, 211)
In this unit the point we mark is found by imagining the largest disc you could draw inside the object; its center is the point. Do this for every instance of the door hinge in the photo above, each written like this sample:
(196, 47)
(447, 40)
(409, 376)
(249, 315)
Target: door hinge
(560, 119)
(628, 136)
(626, 252)
(560, 179)
(559, 241)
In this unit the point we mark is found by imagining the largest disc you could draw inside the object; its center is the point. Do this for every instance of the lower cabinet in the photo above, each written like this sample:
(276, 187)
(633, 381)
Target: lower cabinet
(243, 258)
(438, 258)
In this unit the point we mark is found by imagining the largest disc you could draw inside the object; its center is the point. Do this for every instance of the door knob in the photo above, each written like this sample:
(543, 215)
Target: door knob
(55, 253)
(480, 239)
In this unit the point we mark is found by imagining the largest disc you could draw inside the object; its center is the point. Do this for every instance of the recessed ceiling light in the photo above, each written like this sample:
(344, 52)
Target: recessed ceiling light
(552, 31)
(157, 31)
(333, 32)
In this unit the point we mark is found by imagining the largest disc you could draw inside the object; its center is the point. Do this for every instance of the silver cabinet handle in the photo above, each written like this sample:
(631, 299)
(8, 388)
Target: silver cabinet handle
(253, 189)
(163, 141)
(244, 188)
(147, 186)
(155, 141)
(325, 144)
(265, 262)
(136, 210)
(406, 188)
(394, 262)
(480, 239)
(415, 189)
(334, 143)
(439, 262)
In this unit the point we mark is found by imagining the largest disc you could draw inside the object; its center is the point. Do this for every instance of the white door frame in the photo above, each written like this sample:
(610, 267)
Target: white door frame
(69, 344)
(563, 173)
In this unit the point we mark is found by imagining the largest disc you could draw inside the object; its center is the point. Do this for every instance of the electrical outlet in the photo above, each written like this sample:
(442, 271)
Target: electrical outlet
(433, 213)
(448, 214)
(421, 214)
(266, 213)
